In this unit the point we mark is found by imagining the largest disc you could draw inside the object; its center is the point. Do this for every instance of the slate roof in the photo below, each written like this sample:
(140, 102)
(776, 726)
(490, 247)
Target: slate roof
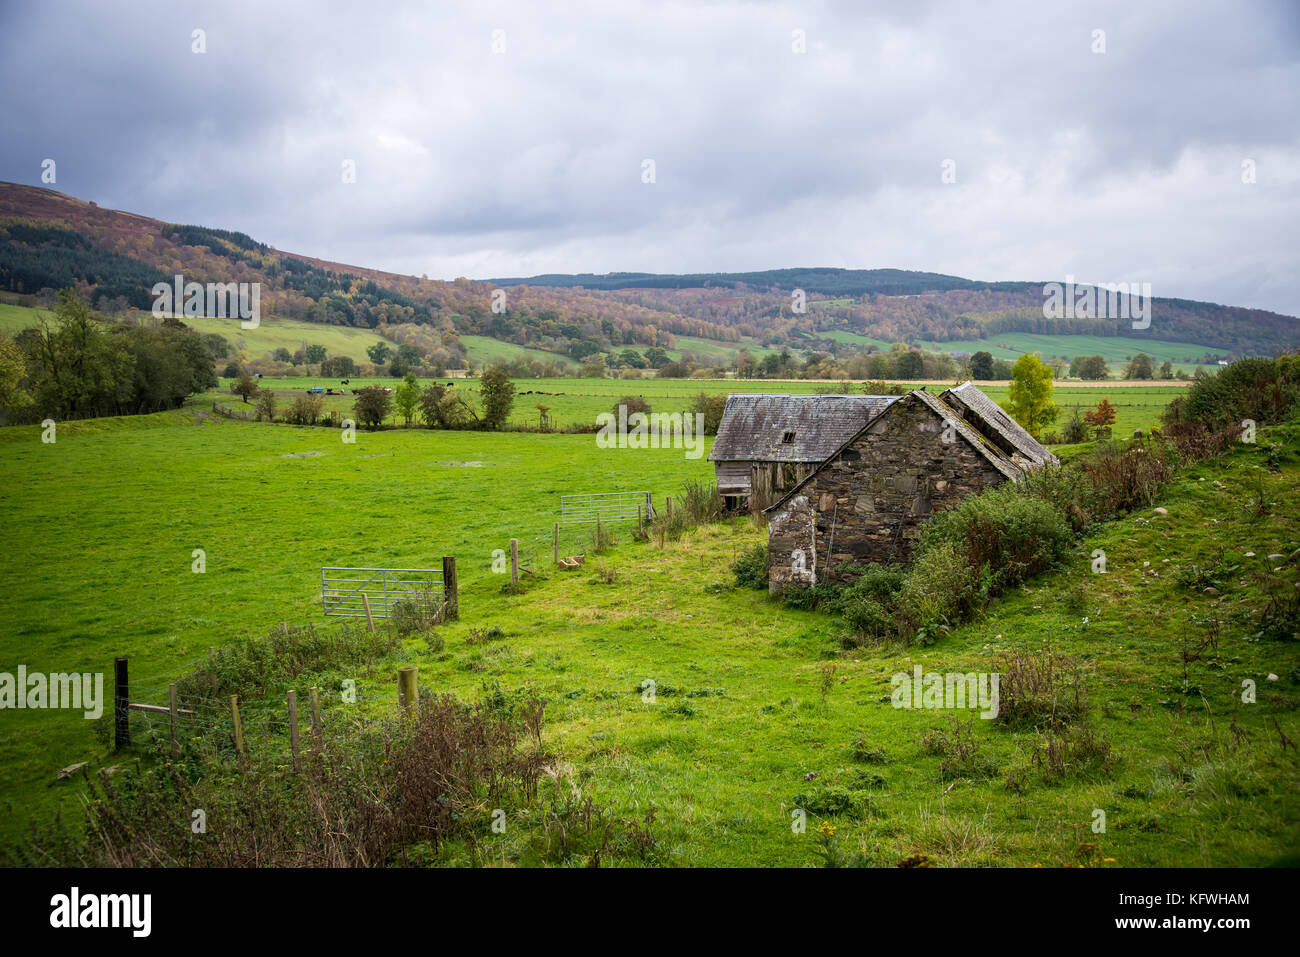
(999, 428)
(992, 453)
(754, 425)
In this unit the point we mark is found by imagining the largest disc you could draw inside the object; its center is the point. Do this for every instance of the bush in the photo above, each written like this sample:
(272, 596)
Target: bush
(1075, 429)
(1261, 389)
(1068, 490)
(701, 502)
(1128, 478)
(633, 403)
(941, 588)
(1039, 689)
(1004, 531)
(750, 568)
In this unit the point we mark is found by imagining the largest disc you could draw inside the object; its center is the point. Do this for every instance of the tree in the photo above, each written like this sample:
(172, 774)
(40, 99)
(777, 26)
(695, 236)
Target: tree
(315, 354)
(13, 373)
(1031, 394)
(634, 403)
(1167, 370)
(265, 408)
(910, 365)
(371, 406)
(498, 394)
(77, 367)
(1139, 367)
(406, 397)
(1102, 417)
(282, 355)
(1089, 367)
(981, 365)
(244, 386)
(379, 353)
(431, 406)
(711, 407)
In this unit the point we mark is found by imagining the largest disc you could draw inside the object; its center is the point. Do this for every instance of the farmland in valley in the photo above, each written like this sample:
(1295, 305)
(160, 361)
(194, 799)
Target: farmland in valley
(106, 521)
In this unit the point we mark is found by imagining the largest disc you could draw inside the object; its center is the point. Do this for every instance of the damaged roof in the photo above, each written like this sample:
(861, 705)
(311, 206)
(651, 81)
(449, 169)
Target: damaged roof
(995, 456)
(993, 423)
(767, 427)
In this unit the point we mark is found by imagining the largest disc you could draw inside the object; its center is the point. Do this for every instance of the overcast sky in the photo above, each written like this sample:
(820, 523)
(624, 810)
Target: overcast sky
(1123, 165)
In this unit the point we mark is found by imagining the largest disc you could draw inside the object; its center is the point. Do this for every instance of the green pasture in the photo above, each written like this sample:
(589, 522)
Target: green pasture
(101, 525)
(579, 401)
(1116, 350)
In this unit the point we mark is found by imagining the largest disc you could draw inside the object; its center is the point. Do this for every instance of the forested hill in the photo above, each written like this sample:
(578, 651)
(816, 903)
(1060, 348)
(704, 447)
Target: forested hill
(49, 240)
(817, 279)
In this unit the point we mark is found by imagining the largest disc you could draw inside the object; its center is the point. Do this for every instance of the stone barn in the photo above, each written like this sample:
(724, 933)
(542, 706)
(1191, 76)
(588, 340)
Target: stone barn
(866, 502)
(768, 443)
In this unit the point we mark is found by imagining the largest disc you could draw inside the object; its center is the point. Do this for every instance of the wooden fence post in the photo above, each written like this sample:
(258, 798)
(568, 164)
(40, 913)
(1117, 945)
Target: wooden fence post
(174, 715)
(668, 505)
(366, 601)
(649, 507)
(212, 669)
(241, 747)
(597, 548)
(450, 596)
(557, 543)
(514, 562)
(121, 710)
(408, 688)
(293, 727)
(315, 719)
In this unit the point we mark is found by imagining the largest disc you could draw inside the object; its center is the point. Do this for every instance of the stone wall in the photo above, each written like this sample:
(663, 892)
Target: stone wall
(868, 503)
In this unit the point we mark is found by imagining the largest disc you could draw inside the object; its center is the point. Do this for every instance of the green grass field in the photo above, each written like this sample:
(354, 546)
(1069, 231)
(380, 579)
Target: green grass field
(100, 529)
(1114, 349)
(579, 401)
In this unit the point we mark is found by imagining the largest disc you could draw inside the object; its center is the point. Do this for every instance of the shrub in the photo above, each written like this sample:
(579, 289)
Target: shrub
(867, 617)
(634, 403)
(1038, 689)
(1127, 478)
(750, 568)
(252, 666)
(1012, 534)
(1068, 490)
(1257, 388)
(1075, 429)
(879, 582)
(701, 502)
(264, 411)
(941, 587)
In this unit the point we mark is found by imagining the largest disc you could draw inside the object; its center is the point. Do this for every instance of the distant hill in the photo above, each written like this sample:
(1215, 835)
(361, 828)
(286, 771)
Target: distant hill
(49, 240)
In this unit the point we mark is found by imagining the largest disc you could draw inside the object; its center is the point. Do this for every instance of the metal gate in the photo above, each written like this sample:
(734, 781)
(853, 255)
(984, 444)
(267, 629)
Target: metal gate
(347, 591)
(605, 506)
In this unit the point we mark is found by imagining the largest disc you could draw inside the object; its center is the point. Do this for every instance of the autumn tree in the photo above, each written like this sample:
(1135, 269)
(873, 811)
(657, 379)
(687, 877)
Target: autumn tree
(1030, 401)
(1102, 417)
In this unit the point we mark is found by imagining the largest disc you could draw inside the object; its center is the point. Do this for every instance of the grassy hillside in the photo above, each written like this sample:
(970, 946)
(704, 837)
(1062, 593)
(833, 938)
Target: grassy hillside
(741, 677)
(1114, 349)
